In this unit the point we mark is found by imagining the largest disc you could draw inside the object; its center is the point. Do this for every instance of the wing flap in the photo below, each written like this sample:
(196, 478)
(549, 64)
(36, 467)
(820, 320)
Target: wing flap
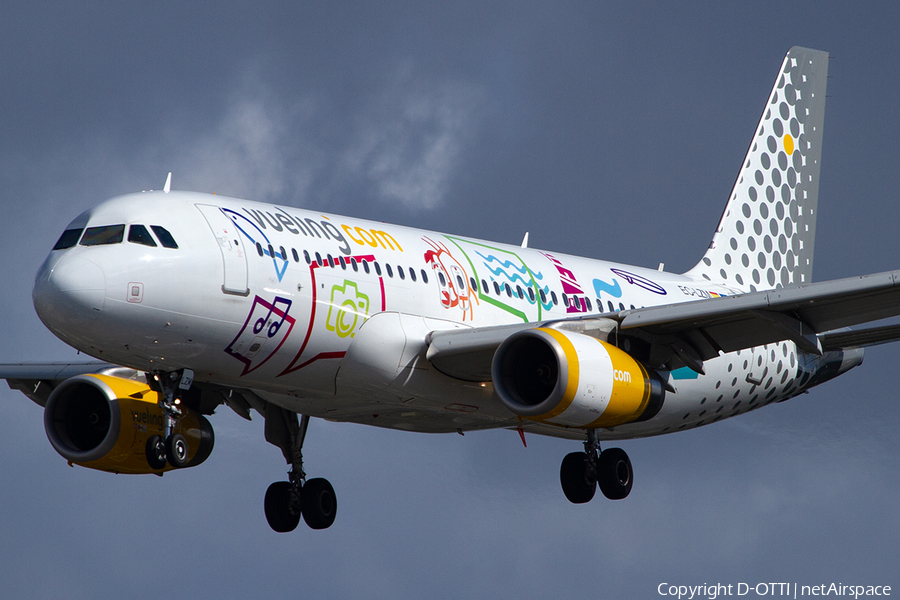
(860, 338)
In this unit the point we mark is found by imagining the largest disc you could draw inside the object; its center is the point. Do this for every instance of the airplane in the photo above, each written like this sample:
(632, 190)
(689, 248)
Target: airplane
(189, 301)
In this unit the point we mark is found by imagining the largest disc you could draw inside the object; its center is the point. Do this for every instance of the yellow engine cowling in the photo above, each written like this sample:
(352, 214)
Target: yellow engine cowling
(573, 380)
(103, 422)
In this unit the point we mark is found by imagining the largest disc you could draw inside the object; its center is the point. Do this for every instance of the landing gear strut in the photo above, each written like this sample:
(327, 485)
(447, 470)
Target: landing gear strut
(582, 472)
(287, 501)
(170, 447)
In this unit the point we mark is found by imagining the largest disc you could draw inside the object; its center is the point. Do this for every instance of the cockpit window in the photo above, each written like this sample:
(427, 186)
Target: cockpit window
(165, 238)
(138, 234)
(68, 239)
(106, 234)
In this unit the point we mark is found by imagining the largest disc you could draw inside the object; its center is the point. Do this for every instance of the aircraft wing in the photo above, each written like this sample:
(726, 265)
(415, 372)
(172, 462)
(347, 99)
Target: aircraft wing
(688, 333)
(37, 380)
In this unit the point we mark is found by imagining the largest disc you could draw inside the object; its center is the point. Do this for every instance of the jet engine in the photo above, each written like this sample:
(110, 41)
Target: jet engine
(103, 422)
(573, 380)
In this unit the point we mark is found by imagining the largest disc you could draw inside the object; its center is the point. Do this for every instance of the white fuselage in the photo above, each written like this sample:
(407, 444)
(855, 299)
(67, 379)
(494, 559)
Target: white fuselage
(272, 299)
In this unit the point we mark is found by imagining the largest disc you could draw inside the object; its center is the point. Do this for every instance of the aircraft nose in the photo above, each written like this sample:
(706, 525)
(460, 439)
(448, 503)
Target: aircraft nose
(68, 294)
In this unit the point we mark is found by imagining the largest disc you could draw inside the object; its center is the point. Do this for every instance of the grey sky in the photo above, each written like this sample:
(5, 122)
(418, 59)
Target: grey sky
(612, 131)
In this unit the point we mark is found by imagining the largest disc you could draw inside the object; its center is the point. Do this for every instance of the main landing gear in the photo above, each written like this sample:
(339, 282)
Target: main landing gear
(287, 501)
(171, 447)
(582, 472)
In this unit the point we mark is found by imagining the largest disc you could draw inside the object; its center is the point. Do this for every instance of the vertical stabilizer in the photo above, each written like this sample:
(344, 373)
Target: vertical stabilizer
(766, 236)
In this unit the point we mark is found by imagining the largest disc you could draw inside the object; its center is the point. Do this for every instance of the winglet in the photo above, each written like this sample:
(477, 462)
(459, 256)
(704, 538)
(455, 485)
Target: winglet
(168, 185)
(525, 240)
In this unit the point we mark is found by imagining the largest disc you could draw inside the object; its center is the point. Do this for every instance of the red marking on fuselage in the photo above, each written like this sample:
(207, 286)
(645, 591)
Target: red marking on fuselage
(312, 317)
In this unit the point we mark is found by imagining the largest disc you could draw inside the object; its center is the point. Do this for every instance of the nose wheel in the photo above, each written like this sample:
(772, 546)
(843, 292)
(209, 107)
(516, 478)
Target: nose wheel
(582, 472)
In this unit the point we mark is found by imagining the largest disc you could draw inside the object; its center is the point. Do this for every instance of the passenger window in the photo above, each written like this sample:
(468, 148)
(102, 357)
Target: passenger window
(441, 278)
(138, 234)
(474, 283)
(400, 272)
(459, 282)
(508, 290)
(484, 286)
(318, 259)
(543, 297)
(566, 300)
(424, 275)
(283, 253)
(343, 262)
(306, 257)
(354, 265)
(531, 294)
(377, 269)
(295, 255)
(621, 306)
(496, 288)
(588, 300)
(271, 251)
(101, 236)
(412, 274)
(329, 260)
(365, 265)
(68, 239)
(610, 305)
(259, 248)
(165, 238)
(390, 271)
(553, 297)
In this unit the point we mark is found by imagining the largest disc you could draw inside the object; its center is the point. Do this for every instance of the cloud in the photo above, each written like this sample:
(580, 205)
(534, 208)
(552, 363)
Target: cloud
(400, 144)
(408, 142)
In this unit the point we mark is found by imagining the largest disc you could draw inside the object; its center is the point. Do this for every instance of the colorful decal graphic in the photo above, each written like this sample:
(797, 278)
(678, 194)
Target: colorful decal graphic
(347, 305)
(570, 286)
(455, 288)
(611, 289)
(512, 285)
(641, 282)
(246, 227)
(348, 301)
(265, 330)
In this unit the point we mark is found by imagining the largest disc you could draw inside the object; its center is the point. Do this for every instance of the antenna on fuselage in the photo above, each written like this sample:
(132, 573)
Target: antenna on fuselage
(525, 240)
(168, 185)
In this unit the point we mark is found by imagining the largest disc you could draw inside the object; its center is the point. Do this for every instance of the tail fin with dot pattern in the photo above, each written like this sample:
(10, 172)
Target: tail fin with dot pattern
(766, 236)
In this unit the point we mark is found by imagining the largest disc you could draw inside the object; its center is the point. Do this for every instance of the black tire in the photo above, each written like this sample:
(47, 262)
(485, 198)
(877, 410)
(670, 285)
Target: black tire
(177, 450)
(614, 473)
(278, 508)
(573, 476)
(156, 452)
(319, 504)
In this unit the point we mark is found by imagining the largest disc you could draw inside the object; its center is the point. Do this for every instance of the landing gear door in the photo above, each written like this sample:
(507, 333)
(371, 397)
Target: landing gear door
(230, 244)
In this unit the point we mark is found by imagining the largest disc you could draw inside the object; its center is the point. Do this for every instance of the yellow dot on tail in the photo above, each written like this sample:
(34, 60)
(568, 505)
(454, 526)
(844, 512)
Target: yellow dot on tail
(788, 144)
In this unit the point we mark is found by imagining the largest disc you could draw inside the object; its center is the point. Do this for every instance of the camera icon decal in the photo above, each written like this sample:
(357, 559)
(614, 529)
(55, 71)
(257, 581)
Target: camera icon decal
(347, 305)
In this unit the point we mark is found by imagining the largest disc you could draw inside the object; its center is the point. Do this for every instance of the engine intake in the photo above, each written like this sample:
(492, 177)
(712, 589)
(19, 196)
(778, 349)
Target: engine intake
(574, 380)
(103, 422)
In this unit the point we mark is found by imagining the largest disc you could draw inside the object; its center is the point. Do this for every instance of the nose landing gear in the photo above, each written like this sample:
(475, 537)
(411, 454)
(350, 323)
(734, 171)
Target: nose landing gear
(582, 472)
(170, 447)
